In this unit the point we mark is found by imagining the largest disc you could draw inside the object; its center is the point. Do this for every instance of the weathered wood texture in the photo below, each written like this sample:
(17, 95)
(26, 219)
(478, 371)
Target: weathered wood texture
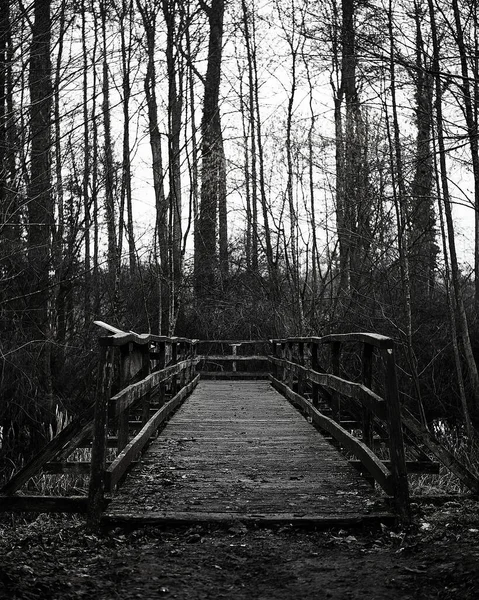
(239, 450)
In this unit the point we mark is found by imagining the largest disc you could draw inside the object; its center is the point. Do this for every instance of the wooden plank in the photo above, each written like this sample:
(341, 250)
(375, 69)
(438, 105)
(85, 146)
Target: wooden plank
(232, 357)
(379, 341)
(230, 342)
(121, 463)
(370, 461)
(120, 337)
(78, 467)
(238, 448)
(62, 504)
(441, 453)
(157, 518)
(234, 374)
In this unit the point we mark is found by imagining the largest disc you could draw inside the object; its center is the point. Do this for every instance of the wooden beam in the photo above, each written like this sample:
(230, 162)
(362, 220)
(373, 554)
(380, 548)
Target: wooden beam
(379, 341)
(413, 466)
(234, 374)
(370, 461)
(135, 391)
(78, 467)
(65, 504)
(121, 463)
(231, 357)
(162, 518)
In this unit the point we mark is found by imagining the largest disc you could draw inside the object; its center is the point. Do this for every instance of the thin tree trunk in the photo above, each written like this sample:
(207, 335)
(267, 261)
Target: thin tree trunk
(113, 258)
(472, 135)
(126, 192)
(455, 277)
(399, 192)
(451, 310)
(87, 299)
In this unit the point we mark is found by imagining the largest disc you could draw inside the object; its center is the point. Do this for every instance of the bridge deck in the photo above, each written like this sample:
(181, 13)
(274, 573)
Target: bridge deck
(239, 450)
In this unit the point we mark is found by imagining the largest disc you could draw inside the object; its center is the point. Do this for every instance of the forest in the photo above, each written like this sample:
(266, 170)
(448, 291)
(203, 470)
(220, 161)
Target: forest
(236, 169)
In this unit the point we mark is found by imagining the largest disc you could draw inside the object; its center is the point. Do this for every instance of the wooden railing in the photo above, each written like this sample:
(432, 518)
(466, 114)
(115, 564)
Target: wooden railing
(299, 373)
(151, 370)
(233, 358)
(345, 383)
(142, 379)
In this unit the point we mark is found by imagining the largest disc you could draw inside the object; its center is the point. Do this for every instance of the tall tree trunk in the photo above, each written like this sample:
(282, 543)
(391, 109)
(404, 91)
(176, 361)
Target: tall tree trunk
(40, 201)
(126, 25)
(400, 200)
(175, 71)
(161, 234)
(422, 245)
(252, 190)
(206, 257)
(87, 297)
(113, 258)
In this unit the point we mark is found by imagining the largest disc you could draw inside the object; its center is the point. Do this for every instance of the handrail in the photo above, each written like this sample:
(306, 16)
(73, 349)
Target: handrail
(149, 366)
(117, 337)
(375, 339)
(296, 365)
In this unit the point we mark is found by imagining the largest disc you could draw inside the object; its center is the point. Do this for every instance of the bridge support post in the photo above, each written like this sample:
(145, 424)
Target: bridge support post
(396, 441)
(96, 491)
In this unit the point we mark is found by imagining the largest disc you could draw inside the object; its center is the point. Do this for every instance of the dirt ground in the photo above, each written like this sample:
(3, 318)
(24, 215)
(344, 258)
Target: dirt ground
(57, 558)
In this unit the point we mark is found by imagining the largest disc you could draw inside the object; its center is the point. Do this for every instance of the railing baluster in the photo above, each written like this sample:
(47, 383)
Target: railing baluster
(367, 377)
(315, 367)
(335, 366)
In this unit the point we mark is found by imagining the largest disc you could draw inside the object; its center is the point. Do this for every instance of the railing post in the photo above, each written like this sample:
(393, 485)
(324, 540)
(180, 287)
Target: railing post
(234, 352)
(315, 367)
(300, 372)
(335, 400)
(367, 377)
(122, 421)
(145, 371)
(277, 354)
(161, 349)
(396, 441)
(174, 360)
(96, 490)
(289, 356)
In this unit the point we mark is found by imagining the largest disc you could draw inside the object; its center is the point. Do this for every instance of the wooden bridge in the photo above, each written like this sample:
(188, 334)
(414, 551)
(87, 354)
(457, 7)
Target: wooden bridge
(303, 430)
